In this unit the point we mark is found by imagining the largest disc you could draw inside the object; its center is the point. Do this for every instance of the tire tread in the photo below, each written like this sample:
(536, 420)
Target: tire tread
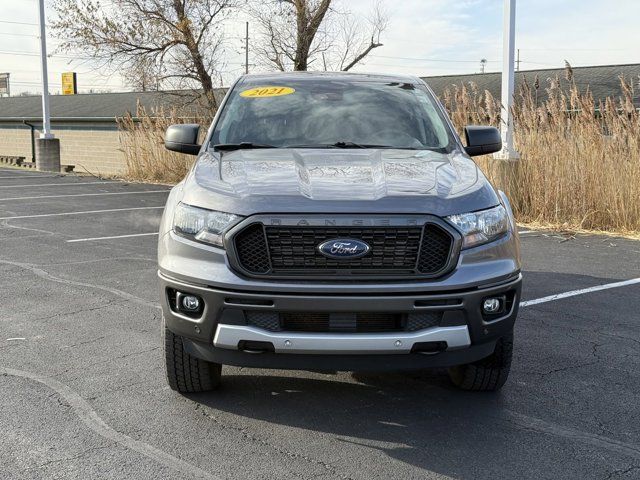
(487, 374)
(185, 373)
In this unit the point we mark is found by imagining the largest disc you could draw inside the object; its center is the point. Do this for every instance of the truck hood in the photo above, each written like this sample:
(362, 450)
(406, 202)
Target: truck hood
(368, 181)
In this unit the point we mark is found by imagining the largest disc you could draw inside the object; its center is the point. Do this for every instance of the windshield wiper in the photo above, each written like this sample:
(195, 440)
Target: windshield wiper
(350, 145)
(228, 147)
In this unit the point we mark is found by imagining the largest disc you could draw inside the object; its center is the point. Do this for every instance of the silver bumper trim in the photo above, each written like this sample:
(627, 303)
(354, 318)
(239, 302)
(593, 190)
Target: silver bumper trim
(229, 336)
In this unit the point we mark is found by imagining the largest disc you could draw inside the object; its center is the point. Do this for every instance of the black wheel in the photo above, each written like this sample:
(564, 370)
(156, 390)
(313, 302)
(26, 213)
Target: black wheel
(187, 374)
(488, 374)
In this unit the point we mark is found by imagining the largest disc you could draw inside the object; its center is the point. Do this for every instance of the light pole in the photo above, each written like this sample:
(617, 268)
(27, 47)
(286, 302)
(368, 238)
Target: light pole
(46, 122)
(47, 146)
(508, 151)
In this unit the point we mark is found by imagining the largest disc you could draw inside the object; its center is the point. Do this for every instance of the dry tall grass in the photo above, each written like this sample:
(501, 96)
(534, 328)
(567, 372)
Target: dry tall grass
(142, 141)
(579, 166)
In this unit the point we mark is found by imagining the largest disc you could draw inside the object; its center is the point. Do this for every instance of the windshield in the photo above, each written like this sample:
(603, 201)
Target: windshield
(332, 113)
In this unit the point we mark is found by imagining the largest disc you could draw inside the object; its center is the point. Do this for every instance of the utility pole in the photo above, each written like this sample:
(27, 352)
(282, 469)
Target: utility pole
(46, 122)
(246, 49)
(47, 146)
(518, 61)
(508, 151)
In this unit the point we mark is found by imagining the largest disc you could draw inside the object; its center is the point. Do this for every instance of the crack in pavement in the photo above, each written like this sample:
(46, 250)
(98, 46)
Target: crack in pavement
(47, 276)
(86, 342)
(65, 459)
(92, 420)
(4, 224)
(621, 472)
(80, 310)
(102, 362)
(252, 438)
(601, 331)
(97, 260)
(598, 441)
(563, 369)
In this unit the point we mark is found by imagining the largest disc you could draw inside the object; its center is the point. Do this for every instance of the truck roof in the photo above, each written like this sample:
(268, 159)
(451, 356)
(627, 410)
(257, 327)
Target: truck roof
(375, 77)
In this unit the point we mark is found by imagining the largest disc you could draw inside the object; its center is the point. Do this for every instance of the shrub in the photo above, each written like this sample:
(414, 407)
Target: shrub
(579, 166)
(142, 141)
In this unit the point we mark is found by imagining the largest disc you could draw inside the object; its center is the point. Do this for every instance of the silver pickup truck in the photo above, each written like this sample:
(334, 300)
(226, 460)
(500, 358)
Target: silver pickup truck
(336, 222)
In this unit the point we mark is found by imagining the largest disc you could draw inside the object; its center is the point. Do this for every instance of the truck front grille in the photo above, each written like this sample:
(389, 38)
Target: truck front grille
(365, 322)
(293, 250)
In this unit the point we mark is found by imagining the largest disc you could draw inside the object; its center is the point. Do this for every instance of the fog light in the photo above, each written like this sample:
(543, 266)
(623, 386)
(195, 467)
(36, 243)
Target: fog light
(491, 305)
(190, 303)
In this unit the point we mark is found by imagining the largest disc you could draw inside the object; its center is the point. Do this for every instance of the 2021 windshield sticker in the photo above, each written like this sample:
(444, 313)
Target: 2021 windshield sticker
(265, 92)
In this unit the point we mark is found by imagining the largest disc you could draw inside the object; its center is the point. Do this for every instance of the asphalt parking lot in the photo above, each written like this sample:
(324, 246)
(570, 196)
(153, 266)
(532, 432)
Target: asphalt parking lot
(83, 394)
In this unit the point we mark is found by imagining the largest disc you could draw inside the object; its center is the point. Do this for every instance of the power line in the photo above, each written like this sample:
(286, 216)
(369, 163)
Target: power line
(84, 85)
(36, 54)
(18, 23)
(577, 49)
(18, 34)
(438, 60)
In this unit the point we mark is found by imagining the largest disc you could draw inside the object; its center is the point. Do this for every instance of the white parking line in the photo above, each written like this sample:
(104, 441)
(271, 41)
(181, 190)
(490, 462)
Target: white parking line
(56, 184)
(525, 231)
(18, 217)
(582, 291)
(83, 195)
(112, 237)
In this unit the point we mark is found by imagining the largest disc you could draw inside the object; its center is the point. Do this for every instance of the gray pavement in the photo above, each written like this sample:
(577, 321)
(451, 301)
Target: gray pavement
(82, 391)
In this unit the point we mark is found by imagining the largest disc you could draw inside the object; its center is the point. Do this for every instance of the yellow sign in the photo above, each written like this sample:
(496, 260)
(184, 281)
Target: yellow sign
(264, 92)
(69, 84)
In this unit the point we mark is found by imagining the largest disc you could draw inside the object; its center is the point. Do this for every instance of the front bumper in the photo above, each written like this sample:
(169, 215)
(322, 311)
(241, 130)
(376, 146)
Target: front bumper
(221, 333)
(231, 336)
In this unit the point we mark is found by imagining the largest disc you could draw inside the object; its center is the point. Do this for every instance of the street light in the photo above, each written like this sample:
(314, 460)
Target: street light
(47, 146)
(508, 151)
(46, 122)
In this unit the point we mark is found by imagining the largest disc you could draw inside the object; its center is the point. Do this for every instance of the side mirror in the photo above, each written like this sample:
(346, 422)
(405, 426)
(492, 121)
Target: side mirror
(182, 138)
(482, 140)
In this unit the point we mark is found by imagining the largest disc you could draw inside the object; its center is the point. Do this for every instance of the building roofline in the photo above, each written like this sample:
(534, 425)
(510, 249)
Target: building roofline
(499, 72)
(132, 92)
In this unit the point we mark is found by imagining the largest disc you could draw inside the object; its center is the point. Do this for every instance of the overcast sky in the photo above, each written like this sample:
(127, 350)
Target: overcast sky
(425, 37)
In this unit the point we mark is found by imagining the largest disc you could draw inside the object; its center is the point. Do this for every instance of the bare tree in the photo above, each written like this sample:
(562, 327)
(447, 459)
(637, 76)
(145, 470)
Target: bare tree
(179, 42)
(143, 75)
(295, 34)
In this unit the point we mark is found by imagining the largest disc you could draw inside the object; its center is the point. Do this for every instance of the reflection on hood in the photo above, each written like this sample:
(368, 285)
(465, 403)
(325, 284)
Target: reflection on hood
(322, 174)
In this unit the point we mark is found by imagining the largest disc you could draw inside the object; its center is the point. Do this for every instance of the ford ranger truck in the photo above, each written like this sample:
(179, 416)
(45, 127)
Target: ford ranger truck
(336, 222)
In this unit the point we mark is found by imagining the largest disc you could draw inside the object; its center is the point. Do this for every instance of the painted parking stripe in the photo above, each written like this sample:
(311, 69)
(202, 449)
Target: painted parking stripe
(83, 195)
(582, 291)
(68, 184)
(84, 212)
(525, 231)
(76, 240)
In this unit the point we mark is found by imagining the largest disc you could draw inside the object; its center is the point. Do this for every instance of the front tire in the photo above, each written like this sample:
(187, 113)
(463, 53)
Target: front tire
(186, 373)
(488, 374)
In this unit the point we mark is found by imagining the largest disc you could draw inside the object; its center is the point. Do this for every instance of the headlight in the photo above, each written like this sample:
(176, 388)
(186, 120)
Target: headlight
(202, 225)
(481, 227)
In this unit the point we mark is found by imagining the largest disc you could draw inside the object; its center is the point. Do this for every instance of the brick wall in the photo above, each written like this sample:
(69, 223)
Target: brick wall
(92, 147)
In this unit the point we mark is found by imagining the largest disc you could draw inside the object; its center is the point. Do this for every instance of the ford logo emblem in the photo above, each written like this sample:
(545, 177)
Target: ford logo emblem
(344, 248)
